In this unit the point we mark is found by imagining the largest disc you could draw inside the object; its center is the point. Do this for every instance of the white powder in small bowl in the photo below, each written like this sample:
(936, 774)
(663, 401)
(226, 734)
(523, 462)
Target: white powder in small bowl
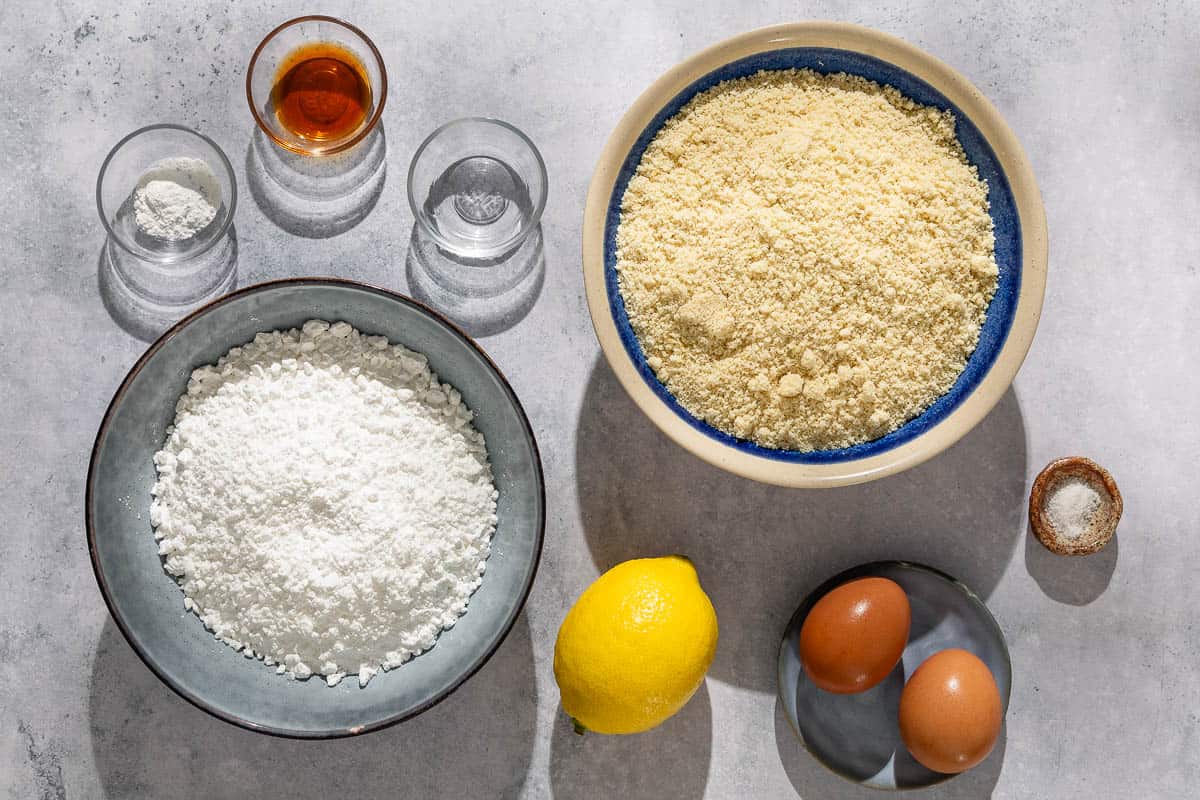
(176, 199)
(1071, 507)
(324, 501)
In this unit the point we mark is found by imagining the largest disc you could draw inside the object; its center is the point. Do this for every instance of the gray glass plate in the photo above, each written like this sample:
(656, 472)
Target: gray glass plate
(858, 735)
(147, 604)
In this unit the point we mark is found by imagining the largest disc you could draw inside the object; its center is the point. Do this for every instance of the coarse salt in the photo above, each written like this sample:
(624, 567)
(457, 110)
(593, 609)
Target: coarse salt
(1071, 507)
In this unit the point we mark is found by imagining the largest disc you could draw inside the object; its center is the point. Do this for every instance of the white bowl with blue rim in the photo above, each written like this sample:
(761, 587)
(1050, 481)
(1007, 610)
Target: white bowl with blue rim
(1016, 208)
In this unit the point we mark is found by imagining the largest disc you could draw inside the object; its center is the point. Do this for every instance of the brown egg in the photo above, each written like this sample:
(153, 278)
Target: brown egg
(854, 636)
(950, 711)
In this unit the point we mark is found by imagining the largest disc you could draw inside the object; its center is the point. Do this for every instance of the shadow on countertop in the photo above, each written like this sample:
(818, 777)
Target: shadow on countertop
(1074, 580)
(149, 743)
(810, 778)
(483, 310)
(760, 549)
(123, 307)
(669, 761)
(145, 320)
(316, 197)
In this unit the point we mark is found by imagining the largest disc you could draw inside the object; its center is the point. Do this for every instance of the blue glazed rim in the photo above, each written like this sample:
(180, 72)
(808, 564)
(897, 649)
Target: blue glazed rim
(1003, 209)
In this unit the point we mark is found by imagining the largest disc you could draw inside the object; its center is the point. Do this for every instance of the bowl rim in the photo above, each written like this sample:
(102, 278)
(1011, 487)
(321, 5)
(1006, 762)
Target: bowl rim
(870, 569)
(971, 103)
(226, 165)
(101, 580)
(342, 145)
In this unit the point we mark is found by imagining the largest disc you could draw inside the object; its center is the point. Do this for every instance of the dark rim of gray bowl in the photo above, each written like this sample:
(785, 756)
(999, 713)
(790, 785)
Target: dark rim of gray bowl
(200, 702)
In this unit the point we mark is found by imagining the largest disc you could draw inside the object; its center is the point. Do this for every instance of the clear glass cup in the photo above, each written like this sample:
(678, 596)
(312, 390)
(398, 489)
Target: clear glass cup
(132, 158)
(477, 188)
(273, 51)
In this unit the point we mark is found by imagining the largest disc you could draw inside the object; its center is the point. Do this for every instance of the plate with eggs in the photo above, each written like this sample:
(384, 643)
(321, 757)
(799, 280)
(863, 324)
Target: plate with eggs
(895, 676)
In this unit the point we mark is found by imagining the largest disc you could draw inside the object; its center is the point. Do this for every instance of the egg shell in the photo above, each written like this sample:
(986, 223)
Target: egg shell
(855, 635)
(950, 711)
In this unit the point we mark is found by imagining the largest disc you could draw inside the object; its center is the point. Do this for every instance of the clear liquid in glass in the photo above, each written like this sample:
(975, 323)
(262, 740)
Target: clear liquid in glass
(478, 203)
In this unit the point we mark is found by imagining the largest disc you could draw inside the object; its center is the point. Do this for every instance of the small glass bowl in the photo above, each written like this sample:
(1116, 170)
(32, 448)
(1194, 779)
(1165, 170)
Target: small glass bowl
(281, 43)
(480, 162)
(125, 165)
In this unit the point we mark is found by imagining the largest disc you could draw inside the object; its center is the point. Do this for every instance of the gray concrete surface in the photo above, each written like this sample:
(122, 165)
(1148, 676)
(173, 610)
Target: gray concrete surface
(1106, 100)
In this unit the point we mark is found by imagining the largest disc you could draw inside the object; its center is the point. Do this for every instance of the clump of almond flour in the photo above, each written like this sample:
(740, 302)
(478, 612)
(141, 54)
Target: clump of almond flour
(806, 259)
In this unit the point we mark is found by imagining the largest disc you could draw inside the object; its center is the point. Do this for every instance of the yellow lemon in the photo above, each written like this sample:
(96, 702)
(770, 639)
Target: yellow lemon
(635, 646)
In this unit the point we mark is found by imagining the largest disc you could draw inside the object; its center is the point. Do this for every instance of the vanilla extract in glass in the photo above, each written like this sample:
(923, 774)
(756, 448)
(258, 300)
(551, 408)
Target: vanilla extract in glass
(321, 92)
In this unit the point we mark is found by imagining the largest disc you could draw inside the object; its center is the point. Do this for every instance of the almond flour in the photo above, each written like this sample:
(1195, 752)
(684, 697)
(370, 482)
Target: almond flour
(806, 259)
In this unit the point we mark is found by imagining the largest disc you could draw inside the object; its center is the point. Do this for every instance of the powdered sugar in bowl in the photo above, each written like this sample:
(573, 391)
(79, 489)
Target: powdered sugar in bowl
(166, 194)
(147, 604)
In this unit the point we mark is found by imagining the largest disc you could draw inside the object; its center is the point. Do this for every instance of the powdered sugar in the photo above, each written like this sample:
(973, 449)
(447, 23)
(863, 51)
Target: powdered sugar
(324, 501)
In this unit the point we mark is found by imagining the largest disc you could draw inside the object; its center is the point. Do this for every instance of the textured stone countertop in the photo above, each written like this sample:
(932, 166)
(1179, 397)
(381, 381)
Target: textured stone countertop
(1106, 702)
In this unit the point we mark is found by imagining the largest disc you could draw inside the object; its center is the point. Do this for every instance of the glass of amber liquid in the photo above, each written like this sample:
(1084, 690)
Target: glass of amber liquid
(316, 85)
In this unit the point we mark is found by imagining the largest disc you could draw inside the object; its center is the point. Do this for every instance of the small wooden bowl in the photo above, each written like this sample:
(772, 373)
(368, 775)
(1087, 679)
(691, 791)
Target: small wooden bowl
(1104, 521)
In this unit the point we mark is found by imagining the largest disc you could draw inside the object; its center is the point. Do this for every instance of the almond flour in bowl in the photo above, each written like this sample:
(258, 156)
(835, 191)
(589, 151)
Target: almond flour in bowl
(806, 259)
(324, 502)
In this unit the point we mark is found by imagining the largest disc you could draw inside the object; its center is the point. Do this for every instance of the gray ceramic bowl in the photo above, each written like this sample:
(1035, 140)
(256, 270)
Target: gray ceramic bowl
(858, 735)
(147, 604)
